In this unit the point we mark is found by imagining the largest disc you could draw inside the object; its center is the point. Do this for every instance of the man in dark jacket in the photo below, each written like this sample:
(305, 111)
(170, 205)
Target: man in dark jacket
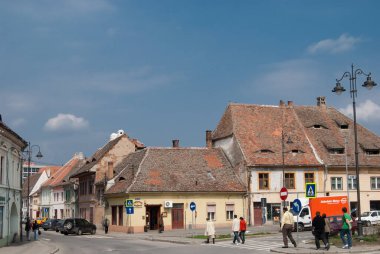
(319, 231)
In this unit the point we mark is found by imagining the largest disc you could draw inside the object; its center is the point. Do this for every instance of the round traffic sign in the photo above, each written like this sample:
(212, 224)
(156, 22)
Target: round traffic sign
(283, 193)
(297, 205)
(192, 206)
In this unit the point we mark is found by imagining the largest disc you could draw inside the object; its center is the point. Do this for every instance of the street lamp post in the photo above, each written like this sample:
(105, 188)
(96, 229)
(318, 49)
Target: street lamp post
(39, 156)
(289, 141)
(338, 89)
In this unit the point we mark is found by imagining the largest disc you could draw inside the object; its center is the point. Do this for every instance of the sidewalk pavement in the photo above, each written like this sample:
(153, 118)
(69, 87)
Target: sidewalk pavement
(306, 248)
(29, 247)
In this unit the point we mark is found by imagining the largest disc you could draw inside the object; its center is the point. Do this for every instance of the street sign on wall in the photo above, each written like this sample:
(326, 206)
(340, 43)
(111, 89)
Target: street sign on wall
(129, 203)
(130, 210)
(297, 205)
(193, 206)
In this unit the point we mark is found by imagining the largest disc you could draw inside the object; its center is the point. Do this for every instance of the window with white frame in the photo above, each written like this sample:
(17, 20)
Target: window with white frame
(375, 183)
(230, 211)
(336, 183)
(352, 182)
(211, 210)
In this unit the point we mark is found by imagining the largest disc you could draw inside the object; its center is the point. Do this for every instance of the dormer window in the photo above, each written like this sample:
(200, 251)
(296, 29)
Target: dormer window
(296, 151)
(121, 179)
(265, 151)
(372, 151)
(344, 126)
(317, 126)
(336, 150)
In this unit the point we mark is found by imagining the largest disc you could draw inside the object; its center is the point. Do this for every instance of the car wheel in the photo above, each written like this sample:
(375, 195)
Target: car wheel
(56, 230)
(69, 225)
(301, 227)
(79, 232)
(66, 233)
(45, 229)
(93, 231)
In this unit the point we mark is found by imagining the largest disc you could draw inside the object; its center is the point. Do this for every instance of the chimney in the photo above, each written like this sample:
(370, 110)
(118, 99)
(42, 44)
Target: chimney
(208, 139)
(175, 143)
(1, 119)
(290, 103)
(282, 103)
(321, 101)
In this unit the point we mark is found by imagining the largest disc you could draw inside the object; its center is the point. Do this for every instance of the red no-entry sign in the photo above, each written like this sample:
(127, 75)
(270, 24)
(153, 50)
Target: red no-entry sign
(283, 193)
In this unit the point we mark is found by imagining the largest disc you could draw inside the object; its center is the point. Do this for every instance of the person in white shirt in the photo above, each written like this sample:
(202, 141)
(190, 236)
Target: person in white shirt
(235, 229)
(287, 224)
(210, 231)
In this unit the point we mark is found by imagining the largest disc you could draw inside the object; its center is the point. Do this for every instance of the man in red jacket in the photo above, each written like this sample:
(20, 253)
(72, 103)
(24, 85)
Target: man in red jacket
(243, 228)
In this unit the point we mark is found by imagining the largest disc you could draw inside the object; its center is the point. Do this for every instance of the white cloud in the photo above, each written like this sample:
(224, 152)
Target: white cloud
(367, 111)
(63, 122)
(344, 43)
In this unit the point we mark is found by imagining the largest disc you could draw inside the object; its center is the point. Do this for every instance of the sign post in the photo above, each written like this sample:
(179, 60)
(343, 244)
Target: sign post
(193, 207)
(297, 206)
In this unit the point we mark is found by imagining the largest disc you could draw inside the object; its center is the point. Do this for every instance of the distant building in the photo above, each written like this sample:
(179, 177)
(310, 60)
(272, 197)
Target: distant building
(34, 169)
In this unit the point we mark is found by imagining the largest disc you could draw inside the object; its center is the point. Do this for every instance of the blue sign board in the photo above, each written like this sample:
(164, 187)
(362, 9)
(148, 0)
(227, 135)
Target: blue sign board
(311, 190)
(297, 205)
(130, 210)
(192, 206)
(129, 203)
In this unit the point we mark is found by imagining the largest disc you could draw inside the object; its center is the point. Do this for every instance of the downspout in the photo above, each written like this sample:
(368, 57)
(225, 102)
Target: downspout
(325, 179)
(249, 197)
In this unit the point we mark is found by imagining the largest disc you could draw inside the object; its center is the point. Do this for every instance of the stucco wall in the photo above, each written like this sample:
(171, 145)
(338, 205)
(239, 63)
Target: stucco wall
(136, 222)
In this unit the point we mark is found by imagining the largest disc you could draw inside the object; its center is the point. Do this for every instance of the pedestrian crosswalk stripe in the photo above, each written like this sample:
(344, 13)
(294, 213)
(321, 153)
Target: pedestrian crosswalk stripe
(252, 245)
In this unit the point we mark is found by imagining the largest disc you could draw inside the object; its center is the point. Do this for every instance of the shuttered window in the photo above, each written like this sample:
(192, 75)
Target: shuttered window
(211, 210)
(230, 211)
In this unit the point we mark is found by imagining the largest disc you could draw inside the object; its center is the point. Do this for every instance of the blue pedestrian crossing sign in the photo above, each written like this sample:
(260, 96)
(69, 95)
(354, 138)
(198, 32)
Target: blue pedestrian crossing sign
(130, 210)
(311, 190)
(129, 203)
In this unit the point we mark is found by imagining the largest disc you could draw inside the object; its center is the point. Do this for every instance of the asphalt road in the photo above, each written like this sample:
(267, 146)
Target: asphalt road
(86, 244)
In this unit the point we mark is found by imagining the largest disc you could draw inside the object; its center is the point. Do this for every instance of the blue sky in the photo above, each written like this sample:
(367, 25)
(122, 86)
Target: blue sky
(72, 72)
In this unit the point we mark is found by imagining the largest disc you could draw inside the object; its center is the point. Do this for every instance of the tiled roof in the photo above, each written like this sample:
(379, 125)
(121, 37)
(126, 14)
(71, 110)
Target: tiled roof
(9, 131)
(337, 126)
(315, 131)
(53, 169)
(61, 177)
(258, 130)
(176, 170)
(92, 161)
(32, 181)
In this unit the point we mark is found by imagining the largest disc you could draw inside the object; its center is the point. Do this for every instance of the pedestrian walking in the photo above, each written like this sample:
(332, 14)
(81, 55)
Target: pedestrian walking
(346, 230)
(287, 224)
(318, 225)
(210, 230)
(106, 224)
(28, 226)
(161, 224)
(243, 228)
(35, 230)
(235, 230)
(327, 227)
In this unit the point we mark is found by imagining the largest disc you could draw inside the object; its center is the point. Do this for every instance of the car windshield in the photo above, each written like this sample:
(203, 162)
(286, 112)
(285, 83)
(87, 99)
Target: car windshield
(366, 214)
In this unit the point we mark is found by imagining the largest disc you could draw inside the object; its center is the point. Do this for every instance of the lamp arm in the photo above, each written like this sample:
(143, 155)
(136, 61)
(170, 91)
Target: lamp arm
(361, 72)
(345, 75)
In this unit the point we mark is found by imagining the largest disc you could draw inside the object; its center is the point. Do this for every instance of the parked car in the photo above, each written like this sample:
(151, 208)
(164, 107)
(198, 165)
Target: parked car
(50, 224)
(59, 225)
(336, 223)
(371, 218)
(77, 226)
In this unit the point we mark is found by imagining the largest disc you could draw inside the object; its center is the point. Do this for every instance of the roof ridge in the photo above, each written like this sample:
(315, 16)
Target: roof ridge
(138, 171)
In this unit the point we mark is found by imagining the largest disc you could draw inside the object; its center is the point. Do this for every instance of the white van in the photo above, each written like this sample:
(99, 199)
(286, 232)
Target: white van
(371, 218)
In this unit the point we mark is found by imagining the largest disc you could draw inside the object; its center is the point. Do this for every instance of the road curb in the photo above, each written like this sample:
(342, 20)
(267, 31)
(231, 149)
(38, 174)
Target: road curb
(313, 251)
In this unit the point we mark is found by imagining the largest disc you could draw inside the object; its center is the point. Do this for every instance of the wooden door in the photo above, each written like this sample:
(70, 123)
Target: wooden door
(257, 214)
(177, 216)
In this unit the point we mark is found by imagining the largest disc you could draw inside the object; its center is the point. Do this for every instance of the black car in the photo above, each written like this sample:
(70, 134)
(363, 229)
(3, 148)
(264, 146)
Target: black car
(77, 226)
(50, 224)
